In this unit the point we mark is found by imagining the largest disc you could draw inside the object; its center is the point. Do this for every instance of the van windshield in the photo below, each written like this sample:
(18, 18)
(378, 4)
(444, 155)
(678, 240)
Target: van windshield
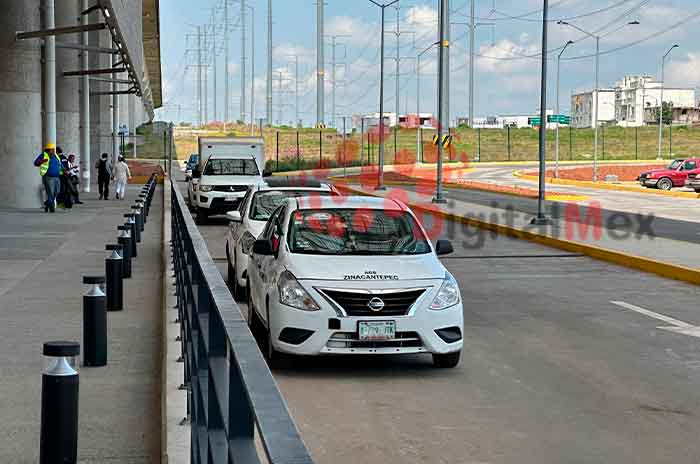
(231, 167)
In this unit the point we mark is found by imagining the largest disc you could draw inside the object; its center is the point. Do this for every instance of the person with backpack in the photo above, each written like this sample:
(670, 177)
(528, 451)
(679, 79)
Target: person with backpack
(51, 170)
(104, 175)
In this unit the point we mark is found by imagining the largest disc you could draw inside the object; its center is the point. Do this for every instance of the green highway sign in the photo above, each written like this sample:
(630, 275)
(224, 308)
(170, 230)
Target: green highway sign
(560, 118)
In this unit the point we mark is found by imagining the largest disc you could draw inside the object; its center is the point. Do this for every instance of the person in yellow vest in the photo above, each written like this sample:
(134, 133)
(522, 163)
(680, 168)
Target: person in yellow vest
(51, 170)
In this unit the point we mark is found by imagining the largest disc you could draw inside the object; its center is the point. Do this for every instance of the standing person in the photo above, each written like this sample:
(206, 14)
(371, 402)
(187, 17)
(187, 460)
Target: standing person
(121, 176)
(104, 175)
(65, 197)
(74, 178)
(50, 168)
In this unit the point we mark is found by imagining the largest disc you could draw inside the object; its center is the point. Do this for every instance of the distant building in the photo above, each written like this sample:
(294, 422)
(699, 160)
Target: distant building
(637, 101)
(583, 108)
(518, 121)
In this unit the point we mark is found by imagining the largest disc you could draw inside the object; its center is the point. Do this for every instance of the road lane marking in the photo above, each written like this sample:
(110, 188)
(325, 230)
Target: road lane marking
(677, 326)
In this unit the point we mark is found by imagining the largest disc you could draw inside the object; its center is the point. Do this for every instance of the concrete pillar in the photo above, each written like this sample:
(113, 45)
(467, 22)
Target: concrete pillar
(100, 105)
(67, 88)
(49, 74)
(20, 101)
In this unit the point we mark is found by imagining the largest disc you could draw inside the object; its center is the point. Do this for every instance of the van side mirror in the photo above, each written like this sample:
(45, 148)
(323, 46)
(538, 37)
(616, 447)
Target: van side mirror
(443, 247)
(267, 173)
(196, 174)
(263, 247)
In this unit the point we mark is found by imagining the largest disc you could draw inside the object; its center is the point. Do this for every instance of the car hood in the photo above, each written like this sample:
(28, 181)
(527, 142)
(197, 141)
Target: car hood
(229, 180)
(366, 268)
(657, 171)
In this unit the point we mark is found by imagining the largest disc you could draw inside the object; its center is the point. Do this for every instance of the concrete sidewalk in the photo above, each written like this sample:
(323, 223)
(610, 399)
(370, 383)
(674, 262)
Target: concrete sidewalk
(42, 260)
(656, 254)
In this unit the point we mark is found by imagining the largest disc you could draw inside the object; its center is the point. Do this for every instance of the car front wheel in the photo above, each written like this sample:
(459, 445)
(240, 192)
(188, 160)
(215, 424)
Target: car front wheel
(665, 184)
(447, 360)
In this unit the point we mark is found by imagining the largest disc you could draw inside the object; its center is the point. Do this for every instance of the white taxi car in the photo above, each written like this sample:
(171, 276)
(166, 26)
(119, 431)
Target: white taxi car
(352, 275)
(249, 220)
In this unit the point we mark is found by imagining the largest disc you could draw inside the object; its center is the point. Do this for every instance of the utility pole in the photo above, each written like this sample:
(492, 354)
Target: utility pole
(227, 25)
(320, 81)
(380, 170)
(296, 90)
(252, 70)
(199, 74)
(213, 59)
(398, 65)
(541, 219)
(443, 78)
(472, 35)
(269, 64)
(243, 57)
(333, 80)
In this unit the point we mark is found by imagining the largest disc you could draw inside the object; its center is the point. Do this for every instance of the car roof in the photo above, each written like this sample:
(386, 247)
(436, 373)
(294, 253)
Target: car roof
(350, 202)
(230, 156)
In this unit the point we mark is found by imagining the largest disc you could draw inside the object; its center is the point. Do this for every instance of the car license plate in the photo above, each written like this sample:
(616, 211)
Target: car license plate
(376, 330)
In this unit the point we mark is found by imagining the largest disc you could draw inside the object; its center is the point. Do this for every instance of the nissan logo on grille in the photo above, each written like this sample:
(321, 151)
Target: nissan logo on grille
(375, 304)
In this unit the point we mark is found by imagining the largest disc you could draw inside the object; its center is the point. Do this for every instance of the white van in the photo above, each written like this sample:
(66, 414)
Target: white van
(228, 166)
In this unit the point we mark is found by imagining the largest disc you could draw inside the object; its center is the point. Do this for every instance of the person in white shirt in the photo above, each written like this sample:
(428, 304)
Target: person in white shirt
(121, 177)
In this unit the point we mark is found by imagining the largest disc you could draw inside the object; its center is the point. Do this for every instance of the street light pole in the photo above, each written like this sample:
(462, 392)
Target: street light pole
(661, 103)
(380, 170)
(443, 91)
(541, 219)
(556, 158)
(419, 142)
(595, 90)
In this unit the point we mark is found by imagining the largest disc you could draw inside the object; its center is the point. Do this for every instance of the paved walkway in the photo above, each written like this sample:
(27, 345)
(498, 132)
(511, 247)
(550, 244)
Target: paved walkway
(42, 260)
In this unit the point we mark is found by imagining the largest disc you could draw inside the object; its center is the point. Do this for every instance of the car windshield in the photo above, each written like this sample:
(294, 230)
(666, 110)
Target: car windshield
(356, 232)
(231, 167)
(675, 164)
(266, 202)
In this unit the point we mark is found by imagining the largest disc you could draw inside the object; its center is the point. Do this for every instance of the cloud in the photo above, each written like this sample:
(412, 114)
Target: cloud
(355, 29)
(683, 72)
(501, 57)
(287, 51)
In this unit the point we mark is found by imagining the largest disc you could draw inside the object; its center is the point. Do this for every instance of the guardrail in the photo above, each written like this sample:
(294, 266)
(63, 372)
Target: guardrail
(230, 388)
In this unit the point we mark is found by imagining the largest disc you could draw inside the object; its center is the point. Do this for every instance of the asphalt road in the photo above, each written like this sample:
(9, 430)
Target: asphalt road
(676, 229)
(552, 371)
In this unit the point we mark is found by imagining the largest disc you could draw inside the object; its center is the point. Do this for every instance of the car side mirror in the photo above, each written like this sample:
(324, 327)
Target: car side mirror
(196, 174)
(263, 247)
(443, 247)
(267, 173)
(234, 216)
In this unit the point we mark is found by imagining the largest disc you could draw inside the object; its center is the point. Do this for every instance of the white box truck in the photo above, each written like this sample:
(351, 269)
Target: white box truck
(228, 166)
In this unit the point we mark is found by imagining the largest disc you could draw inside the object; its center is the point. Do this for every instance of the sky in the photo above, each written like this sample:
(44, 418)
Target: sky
(508, 45)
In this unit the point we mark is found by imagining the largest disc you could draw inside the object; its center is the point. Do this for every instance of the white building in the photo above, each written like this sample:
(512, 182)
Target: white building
(518, 121)
(636, 95)
(583, 108)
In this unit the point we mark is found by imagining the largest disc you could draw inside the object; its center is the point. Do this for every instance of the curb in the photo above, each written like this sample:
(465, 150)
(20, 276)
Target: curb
(603, 186)
(548, 196)
(660, 268)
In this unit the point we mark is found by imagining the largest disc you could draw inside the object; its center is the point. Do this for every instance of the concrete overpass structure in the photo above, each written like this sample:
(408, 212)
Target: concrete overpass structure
(72, 73)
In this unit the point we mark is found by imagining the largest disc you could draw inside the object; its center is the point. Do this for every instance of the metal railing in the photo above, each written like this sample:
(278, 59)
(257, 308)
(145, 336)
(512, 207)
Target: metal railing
(230, 388)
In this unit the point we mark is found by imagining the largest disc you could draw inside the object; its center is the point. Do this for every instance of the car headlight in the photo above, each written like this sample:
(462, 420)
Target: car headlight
(293, 294)
(247, 243)
(205, 188)
(448, 295)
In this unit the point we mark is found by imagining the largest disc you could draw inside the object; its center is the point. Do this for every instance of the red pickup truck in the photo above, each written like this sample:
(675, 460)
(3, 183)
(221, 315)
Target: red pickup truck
(675, 175)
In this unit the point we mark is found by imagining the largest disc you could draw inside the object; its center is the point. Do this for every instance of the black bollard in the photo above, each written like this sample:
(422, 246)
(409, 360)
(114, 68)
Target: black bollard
(114, 277)
(94, 323)
(134, 237)
(138, 218)
(59, 404)
(142, 200)
(124, 239)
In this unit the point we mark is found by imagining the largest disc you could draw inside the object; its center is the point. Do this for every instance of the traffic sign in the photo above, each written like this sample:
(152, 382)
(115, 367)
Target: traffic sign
(534, 121)
(560, 118)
